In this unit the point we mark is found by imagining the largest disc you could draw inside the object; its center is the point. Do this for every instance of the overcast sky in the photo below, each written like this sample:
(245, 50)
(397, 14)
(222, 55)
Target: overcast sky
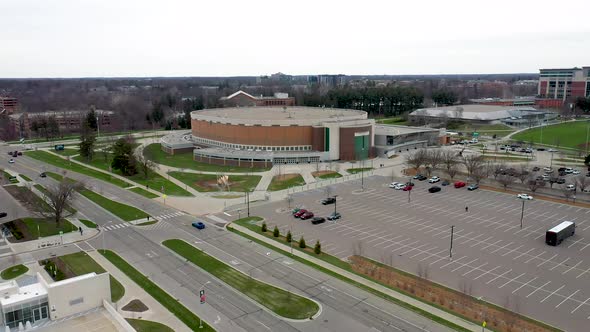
(82, 38)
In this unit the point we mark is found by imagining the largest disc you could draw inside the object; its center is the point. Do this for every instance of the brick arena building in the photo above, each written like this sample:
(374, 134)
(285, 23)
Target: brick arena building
(262, 136)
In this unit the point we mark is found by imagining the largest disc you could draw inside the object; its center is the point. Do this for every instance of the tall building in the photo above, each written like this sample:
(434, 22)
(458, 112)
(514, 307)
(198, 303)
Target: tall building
(8, 105)
(557, 85)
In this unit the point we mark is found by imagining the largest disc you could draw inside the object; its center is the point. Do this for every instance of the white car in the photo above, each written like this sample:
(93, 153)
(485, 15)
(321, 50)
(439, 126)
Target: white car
(586, 190)
(433, 179)
(393, 184)
(525, 196)
(576, 172)
(399, 186)
(547, 169)
(570, 187)
(551, 150)
(569, 170)
(11, 161)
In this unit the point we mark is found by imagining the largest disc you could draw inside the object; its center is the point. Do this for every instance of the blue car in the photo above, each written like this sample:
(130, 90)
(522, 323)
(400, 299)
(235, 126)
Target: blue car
(199, 225)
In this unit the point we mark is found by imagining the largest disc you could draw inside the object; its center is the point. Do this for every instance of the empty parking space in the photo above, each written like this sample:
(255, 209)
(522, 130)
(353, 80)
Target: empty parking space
(502, 261)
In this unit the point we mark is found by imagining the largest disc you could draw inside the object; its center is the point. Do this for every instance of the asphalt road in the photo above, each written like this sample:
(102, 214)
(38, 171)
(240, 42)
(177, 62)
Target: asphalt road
(492, 256)
(345, 308)
(12, 207)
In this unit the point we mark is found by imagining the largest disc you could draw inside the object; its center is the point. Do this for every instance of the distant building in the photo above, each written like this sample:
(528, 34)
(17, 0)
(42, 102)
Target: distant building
(22, 124)
(557, 85)
(243, 99)
(519, 116)
(327, 80)
(523, 101)
(8, 105)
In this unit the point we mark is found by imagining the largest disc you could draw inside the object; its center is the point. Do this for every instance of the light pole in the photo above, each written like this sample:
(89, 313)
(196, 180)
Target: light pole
(248, 201)
(104, 247)
(451, 247)
(522, 214)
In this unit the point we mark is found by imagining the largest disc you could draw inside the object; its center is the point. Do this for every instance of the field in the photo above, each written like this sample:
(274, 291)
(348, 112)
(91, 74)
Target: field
(208, 182)
(185, 160)
(285, 181)
(570, 134)
(499, 130)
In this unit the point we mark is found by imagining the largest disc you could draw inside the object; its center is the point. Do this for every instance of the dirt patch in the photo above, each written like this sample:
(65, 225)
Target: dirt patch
(285, 177)
(25, 197)
(537, 196)
(212, 184)
(316, 174)
(135, 306)
(19, 230)
(458, 302)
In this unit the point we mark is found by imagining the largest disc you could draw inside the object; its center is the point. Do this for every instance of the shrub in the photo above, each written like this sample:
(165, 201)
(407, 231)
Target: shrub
(318, 248)
(302, 243)
(263, 227)
(289, 237)
(275, 232)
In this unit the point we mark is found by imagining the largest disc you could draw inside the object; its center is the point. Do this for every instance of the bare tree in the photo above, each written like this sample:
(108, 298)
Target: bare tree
(433, 158)
(505, 180)
(523, 173)
(146, 164)
(498, 169)
(582, 182)
(452, 172)
(472, 162)
(329, 190)
(416, 160)
(357, 248)
(450, 161)
(534, 184)
(289, 200)
(59, 197)
(423, 271)
(479, 173)
(567, 194)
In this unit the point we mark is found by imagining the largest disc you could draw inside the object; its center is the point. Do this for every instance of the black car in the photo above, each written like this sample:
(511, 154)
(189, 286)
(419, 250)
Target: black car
(434, 189)
(445, 183)
(536, 169)
(329, 200)
(422, 178)
(540, 149)
(560, 181)
(3, 214)
(43, 175)
(561, 169)
(317, 220)
(409, 184)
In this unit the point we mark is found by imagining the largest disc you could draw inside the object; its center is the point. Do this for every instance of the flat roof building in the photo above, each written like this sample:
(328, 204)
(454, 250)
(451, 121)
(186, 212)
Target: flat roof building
(563, 83)
(243, 99)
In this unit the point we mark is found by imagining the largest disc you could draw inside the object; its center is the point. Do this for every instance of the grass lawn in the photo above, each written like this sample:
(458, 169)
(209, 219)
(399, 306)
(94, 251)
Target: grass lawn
(141, 325)
(88, 223)
(13, 272)
(147, 223)
(208, 182)
(285, 181)
(328, 175)
(176, 308)
(358, 170)
(45, 227)
(55, 176)
(41, 189)
(67, 152)
(280, 301)
(62, 163)
(185, 160)
(393, 121)
(9, 178)
(568, 134)
(143, 192)
(80, 263)
(154, 180)
(121, 210)
(492, 158)
(25, 177)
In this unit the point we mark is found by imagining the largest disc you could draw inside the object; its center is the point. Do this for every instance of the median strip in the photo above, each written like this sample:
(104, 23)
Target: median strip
(123, 211)
(279, 301)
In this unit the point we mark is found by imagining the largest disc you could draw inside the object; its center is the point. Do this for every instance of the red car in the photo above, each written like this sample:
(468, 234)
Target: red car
(407, 188)
(307, 215)
(459, 184)
(299, 213)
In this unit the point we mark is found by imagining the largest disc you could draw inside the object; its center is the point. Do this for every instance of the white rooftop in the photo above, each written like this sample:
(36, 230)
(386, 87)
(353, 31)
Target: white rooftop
(25, 293)
(478, 112)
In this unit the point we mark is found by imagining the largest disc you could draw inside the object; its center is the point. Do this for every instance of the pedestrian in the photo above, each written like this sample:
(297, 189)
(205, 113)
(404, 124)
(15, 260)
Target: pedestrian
(148, 217)
(466, 209)
(81, 230)
(147, 186)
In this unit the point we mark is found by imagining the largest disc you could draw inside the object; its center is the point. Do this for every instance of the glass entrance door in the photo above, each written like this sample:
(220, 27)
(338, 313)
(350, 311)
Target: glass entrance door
(36, 314)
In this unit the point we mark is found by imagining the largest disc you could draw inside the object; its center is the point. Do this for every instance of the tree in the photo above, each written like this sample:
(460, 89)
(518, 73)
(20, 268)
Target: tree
(498, 169)
(302, 243)
(587, 160)
(318, 248)
(432, 159)
(263, 227)
(479, 173)
(289, 200)
(52, 127)
(289, 236)
(523, 174)
(416, 160)
(444, 97)
(505, 180)
(582, 182)
(91, 121)
(275, 232)
(146, 163)
(87, 142)
(567, 194)
(534, 184)
(449, 160)
(123, 158)
(583, 104)
(472, 162)
(59, 197)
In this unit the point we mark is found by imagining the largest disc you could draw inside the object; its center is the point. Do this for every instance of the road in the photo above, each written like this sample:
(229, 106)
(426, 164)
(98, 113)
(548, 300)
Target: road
(344, 308)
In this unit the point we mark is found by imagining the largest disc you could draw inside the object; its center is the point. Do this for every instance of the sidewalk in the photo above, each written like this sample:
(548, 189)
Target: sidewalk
(156, 312)
(54, 240)
(435, 311)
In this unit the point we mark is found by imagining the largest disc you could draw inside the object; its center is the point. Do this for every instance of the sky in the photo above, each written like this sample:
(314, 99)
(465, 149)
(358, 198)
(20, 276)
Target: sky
(129, 38)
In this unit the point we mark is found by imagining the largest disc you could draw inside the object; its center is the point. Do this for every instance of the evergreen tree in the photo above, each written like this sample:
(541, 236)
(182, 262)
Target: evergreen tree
(289, 237)
(275, 232)
(263, 227)
(318, 248)
(91, 121)
(87, 142)
(302, 243)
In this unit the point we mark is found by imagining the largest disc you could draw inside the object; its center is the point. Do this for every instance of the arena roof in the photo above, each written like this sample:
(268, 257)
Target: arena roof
(278, 115)
(478, 112)
(394, 130)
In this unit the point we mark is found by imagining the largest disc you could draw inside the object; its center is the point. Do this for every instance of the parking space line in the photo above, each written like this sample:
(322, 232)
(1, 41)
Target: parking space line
(463, 265)
(474, 269)
(526, 283)
(513, 250)
(573, 267)
(444, 257)
(581, 274)
(547, 260)
(491, 244)
(560, 263)
(412, 249)
(575, 243)
(555, 291)
(540, 287)
(423, 252)
(578, 307)
(481, 241)
(503, 247)
(488, 271)
(511, 280)
(524, 253)
(585, 245)
(498, 276)
(435, 255)
(567, 298)
(536, 256)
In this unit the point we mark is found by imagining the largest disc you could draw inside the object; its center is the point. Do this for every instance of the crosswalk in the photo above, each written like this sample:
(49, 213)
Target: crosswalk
(169, 215)
(112, 227)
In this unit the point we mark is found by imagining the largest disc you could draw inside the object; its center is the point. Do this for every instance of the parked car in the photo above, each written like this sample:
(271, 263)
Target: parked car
(552, 150)
(422, 178)
(536, 169)
(561, 169)
(547, 169)
(586, 190)
(459, 184)
(546, 177)
(445, 183)
(299, 213)
(307, 215)
(434, 189)
(43, 175)
(560, 181)
(317, 220)
(329, 200)
(575, 172)
(525, 196)
(198, 225)
(11, 161)
(407, 188)
(399, 186)
(334, 216)
(433, 179)
(472, 186)
(540, 149)
(570, 187)
(409, 184)
(295, 210)
(3, 214)
(569, 170)
(20, 153)
(393, 184)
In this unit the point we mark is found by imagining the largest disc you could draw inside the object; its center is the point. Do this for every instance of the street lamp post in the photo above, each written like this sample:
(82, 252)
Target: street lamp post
(202, 289)
(335, 201)
(248, 201)
(451, 247)
(522, 214)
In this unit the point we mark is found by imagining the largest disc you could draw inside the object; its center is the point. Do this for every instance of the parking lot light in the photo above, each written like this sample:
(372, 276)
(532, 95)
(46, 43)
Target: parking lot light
(522, 213)
(451, 248)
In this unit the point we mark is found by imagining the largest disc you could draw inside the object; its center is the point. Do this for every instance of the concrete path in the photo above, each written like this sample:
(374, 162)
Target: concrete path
(156, 311)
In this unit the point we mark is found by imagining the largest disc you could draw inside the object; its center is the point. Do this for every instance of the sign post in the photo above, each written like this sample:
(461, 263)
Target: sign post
(483, 326)
(202, 297)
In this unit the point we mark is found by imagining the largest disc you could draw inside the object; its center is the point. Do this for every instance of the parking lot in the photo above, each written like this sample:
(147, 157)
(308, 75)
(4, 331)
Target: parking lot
(492, 256)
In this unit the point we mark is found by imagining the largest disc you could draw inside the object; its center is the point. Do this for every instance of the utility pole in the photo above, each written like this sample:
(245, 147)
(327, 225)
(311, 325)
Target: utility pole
(335, 201)
(451, 248)
(522, 214)
(248, 201)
